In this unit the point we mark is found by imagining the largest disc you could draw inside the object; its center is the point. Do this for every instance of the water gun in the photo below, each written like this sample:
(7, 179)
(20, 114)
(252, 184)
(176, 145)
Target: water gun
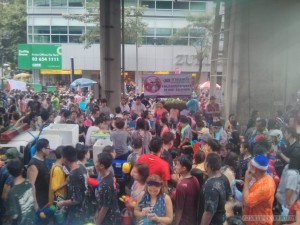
(46, 212)
(93, 182)
(127, 199)
(196, 145)
(126, 167)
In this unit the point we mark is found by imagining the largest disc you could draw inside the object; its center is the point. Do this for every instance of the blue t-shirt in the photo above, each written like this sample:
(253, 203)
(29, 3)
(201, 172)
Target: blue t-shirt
(192, 105)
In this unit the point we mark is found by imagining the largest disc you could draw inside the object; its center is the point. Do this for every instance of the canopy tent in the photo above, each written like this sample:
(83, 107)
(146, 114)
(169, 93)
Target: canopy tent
(15, 85)
(206, 85)
(82, 82)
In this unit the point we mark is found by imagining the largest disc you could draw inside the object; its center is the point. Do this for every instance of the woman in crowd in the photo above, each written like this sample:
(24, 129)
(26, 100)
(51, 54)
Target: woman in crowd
(143, 133)
(154, 207)
(120, 139)
(164, 126)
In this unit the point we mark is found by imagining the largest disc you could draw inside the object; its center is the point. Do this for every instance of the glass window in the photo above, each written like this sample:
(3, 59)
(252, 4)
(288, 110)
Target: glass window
(92, 3)
(75, 39)
(197, 32)
(76, 30)
(198, 6)
(149, 4)
(128, 3)
(59, 29)
(59, 39)
(29, 30)
(59, 2)
(180, 5)
(41, 29)
(148, 40)
(162, 41)
(76, 3)
(149, 32)
(164, 5)
(163, 31)
(181, 41)
(41, 39)
(41, 2)
(29, 38)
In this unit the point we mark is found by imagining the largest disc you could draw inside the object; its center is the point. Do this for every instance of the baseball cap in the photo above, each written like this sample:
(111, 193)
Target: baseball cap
(12, 153)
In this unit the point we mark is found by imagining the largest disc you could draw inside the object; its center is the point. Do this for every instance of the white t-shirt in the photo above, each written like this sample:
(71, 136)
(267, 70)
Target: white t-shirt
(290, 179)
(88, 138)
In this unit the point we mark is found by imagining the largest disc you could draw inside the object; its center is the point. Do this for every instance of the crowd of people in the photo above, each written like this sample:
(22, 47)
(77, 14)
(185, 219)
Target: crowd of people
(186, 167)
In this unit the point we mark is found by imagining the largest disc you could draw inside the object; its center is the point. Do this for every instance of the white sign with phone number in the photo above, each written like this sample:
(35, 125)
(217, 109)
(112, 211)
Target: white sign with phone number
(167, 85)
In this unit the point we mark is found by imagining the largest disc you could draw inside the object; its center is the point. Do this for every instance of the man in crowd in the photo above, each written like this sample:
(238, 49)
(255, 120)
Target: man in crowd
(157, 165)
(214, 191)
(38, 173)
(138, 107)
(212, 109)
(187, 193)
(258, 195)
(108, 210)
(124, 106)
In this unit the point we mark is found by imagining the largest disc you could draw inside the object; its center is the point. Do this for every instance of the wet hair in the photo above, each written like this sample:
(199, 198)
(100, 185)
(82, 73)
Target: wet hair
(70, 153)
(119, 123)
(186, 162)
(41, 143)
(214, 161)
(141, 124)
(137, 143)
(15, 167)
(82, 150)
(104, 100)
(108, 149)
(105, 159)
(235, 220)
(58, 152)
(45, 115)
(183, 119)
(199, 157)
(167, 138)
(232, 160)
(214, 145)
(292, 131)
(99, 120)
(156, 144)
(143, 170)
(118, 110)
(164, 120)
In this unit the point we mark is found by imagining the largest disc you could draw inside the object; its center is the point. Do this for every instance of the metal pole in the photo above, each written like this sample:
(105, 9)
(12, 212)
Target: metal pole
(123, 48)
(72, 70)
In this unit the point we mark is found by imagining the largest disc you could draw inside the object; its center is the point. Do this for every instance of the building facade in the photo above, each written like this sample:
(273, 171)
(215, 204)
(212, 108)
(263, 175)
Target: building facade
(46, 24)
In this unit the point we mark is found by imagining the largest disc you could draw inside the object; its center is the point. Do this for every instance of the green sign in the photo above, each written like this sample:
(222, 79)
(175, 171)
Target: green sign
(35, 56)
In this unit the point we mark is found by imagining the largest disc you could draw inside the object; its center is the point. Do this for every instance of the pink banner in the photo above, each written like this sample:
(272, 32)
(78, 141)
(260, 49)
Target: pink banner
(167, 85)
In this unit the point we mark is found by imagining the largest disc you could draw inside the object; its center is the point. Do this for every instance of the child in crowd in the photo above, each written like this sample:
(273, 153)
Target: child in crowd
(21, 202)
(57, 190)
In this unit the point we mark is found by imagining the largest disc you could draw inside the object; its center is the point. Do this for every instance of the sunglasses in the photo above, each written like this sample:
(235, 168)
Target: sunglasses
(154, 183)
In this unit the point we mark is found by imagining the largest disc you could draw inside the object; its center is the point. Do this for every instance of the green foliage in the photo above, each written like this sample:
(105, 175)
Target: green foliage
(134, 27)
(12, 28)
(175, 104)
(200, 27)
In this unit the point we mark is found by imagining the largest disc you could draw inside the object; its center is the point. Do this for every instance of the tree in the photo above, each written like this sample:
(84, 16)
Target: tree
(12, 29)
(199, 26)
(134, 27)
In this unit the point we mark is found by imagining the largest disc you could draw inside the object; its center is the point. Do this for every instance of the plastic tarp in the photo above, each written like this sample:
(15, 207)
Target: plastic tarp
(16, 85)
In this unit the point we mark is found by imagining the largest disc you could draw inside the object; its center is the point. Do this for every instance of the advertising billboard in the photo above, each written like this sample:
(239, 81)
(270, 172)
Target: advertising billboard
(39, 56)
(167, 85)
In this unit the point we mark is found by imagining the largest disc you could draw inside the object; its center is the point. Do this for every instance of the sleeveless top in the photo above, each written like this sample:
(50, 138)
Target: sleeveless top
(41, 182)
(159, 208)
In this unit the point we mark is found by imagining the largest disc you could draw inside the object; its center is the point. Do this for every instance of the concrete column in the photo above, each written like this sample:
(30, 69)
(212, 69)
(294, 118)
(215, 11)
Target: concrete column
(215, 49)
(110, 49)
(225, 53)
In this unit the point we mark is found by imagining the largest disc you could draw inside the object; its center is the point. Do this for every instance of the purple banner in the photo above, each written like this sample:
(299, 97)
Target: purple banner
(167, 85)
